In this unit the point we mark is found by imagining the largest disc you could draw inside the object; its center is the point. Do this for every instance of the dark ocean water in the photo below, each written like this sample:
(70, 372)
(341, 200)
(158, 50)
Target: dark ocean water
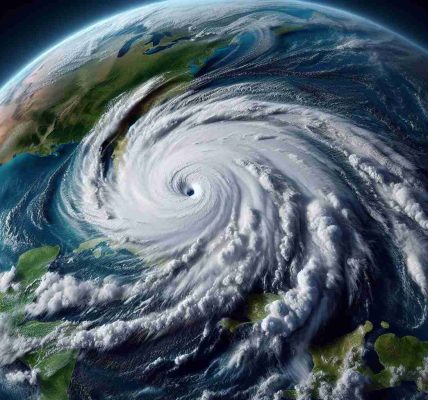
(368, 77)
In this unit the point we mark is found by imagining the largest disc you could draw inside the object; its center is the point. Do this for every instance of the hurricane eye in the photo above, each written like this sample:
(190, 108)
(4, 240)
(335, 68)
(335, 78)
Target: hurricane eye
(190, 192)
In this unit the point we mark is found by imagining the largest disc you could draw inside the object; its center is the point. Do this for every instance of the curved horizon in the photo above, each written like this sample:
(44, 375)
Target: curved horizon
(44, 53)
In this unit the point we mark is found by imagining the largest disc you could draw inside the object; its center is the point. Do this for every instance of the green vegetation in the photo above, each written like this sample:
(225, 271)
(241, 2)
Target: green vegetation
(230, 324)
(289, 394)
(55, 367)
(34, 263)
(38, 329)
(333, 358)
(30, 267)
(403, 359)
(97, 253)
(257, 305)
(93, 245)
(90, 244)
(66, 110)
(54, 372)
(256, 310)
(407, 351)
(119, 151)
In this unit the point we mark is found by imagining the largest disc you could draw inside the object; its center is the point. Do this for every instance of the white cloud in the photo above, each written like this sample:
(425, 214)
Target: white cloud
(12, 346)
(56, 293)
(18, 376)
(6, 279)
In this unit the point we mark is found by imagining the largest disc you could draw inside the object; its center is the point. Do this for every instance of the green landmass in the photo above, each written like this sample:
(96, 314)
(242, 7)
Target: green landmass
(90, 244)
(72, 105)
(93, 246)
(230, 324)
(403, 359)
(119, 152)
(31, 266)
(55, 367)
(384, 325)
(334, 358)
(66, 110)
(97, 253)
(55, 371)
(34, 263)
(255, 310)
(290, 394)
(257, 305)
(38, 329)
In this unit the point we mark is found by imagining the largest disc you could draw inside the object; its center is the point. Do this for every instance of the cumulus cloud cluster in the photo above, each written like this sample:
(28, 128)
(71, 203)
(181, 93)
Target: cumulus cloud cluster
(6, 279)
(19, 377)
(56, 293)
(223, 190)
(272, 207)
(12, 346)
(350, 385)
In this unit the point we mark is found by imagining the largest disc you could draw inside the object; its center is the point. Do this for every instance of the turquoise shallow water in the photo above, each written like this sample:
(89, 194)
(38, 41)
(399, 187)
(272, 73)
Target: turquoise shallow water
(295, 163)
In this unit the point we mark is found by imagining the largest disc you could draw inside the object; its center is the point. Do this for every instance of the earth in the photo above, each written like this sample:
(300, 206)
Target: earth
(226, 200)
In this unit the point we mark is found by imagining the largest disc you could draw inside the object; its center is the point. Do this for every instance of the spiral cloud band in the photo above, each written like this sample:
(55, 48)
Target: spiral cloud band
(221, 191)
(225, 186)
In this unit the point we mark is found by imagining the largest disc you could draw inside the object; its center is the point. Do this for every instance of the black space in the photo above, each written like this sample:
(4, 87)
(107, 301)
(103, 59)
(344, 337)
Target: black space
(27, 28)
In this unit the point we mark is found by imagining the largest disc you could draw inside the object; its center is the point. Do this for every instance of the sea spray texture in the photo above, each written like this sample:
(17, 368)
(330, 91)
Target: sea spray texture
(261, 162)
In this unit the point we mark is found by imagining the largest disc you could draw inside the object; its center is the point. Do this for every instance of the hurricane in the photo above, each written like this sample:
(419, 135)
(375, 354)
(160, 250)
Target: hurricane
(199, 201)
